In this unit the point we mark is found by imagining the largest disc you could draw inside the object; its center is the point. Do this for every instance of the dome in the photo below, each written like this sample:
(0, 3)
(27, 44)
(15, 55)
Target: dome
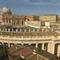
(6, 10)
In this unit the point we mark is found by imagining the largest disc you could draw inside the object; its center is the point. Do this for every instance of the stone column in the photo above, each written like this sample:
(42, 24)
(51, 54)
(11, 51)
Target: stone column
(16, 30)
(37, 30)
(51, 48)
(12, 29)
(42, 46)
(33, 30)
(58, 51)
(9, 30)
(24, 30)
(36, 45)
(12, 44)
(29, 43)
(20, 30)
(29, 30)
(0, 29)
(9, 45)
(5, 29)
(22, 43)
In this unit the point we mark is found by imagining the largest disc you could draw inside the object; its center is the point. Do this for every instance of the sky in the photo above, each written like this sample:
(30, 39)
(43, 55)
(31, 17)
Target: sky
(37, 7)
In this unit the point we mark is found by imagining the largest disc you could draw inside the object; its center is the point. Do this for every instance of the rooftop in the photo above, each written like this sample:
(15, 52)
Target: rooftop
(50, 15)
(30, 54)
(25, 51)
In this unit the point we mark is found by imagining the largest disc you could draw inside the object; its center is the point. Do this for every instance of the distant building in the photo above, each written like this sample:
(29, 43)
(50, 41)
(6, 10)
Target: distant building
(8, 18)
(49, 18)
(32, 18)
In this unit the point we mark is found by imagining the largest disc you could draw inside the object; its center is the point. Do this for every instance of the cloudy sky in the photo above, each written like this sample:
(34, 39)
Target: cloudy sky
(38, 7)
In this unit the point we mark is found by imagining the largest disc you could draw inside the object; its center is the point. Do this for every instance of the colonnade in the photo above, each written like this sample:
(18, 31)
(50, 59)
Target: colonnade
(49, 47)
(35, 45)
(20, 30)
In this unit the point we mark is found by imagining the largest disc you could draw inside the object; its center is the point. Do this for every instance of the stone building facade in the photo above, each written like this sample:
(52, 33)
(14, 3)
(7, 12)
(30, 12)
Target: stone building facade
(32, 18)
(8, 18)
(48, 18)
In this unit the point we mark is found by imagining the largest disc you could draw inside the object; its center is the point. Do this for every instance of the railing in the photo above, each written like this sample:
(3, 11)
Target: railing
(44, 34)
(26, 38)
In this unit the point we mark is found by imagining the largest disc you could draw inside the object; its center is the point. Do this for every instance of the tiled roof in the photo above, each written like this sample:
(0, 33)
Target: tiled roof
(50, 15)
(47, 55)
(22, 51)
(27, 53)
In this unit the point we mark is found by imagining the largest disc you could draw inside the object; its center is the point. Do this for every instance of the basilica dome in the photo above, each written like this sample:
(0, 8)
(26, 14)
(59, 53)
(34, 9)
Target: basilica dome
(6, 10)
